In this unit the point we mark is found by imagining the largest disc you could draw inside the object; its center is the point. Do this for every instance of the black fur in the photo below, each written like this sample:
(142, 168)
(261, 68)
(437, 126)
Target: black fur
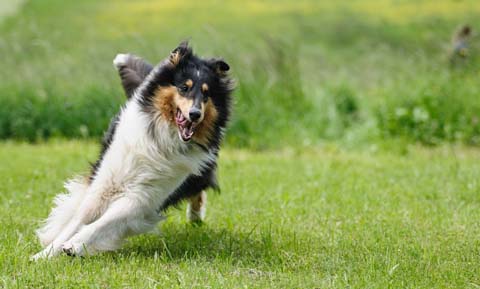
(169, 72)
(133, 73)
(193, 185)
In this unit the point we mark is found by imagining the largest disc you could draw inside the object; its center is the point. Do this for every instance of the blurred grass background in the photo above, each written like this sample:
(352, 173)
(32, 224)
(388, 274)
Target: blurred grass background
(356, 71)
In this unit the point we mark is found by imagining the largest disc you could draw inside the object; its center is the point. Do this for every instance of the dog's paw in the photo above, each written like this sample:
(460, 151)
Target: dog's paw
(120, 60)
(195, 216)
(73, 249)
(40, 255)
(46, 253)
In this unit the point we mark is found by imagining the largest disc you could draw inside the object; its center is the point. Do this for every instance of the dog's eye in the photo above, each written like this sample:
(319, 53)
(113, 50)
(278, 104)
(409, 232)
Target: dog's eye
(204, 96)
(183, 88)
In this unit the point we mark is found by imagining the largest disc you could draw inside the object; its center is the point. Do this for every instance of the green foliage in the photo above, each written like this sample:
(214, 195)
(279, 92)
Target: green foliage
(271, 104)
(40, 114)
(434, 112)
(346, 105)
(306, 71)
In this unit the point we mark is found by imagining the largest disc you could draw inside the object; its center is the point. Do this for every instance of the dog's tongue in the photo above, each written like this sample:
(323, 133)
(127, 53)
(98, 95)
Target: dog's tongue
(180, 119)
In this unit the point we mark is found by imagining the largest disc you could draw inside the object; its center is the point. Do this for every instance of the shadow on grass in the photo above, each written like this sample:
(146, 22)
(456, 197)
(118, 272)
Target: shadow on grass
(258, 245)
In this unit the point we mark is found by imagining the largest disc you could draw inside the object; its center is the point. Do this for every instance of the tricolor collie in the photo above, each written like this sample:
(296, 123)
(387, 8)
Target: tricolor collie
(161, 148)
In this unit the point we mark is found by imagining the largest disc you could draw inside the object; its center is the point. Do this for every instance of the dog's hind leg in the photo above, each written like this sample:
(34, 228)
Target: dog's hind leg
(197, 206)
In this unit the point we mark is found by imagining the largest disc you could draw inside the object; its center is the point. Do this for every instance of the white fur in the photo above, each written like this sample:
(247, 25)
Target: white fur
(65, 205)
(120, 60)
(135, 177)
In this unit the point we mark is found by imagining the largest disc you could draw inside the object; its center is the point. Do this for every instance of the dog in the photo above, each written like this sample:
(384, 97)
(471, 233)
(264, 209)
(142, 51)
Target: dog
(161, 148)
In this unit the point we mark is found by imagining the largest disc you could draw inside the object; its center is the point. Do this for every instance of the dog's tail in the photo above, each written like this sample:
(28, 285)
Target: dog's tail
(65, 207)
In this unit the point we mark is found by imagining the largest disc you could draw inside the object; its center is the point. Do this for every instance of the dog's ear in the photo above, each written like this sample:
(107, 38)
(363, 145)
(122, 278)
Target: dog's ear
(218, 65)
(132, 70)
(182, 52)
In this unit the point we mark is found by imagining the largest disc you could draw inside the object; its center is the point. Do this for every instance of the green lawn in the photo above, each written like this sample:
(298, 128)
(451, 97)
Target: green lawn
(318, 218)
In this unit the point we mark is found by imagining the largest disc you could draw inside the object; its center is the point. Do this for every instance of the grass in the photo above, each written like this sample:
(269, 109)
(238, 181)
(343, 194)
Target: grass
(296, 211)
(290, 218)
(292, 59)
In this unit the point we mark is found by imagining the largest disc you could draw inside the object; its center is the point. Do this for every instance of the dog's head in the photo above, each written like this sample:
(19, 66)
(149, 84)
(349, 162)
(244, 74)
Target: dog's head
(195, 93)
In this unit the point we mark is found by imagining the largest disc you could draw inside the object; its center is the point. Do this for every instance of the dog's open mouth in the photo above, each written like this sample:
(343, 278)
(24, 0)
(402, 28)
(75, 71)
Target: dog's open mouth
(186, 128)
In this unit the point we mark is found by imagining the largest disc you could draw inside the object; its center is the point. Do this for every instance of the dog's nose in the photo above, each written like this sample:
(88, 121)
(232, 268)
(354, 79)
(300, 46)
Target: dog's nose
(194, 114)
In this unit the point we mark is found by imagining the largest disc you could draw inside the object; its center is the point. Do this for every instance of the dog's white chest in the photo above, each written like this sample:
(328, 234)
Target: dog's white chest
(145, 168)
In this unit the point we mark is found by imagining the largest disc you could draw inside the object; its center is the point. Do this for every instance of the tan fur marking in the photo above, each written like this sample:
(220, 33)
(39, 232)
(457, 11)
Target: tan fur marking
(183, 103)
(98, 208)
(175, 58)
(205, 128)
(198, 201)
(204, 87)
(164, 101)
(189, 83)
(167, 100)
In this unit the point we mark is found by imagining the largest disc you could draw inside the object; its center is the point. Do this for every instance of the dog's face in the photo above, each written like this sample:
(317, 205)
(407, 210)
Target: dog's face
(191, 96)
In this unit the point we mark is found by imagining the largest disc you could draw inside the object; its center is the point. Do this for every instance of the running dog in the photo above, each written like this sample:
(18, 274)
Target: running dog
(161, 148)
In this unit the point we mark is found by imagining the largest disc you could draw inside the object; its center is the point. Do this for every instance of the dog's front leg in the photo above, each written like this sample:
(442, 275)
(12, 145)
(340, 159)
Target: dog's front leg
(76, 223)
(107, 232)
(55, 248)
